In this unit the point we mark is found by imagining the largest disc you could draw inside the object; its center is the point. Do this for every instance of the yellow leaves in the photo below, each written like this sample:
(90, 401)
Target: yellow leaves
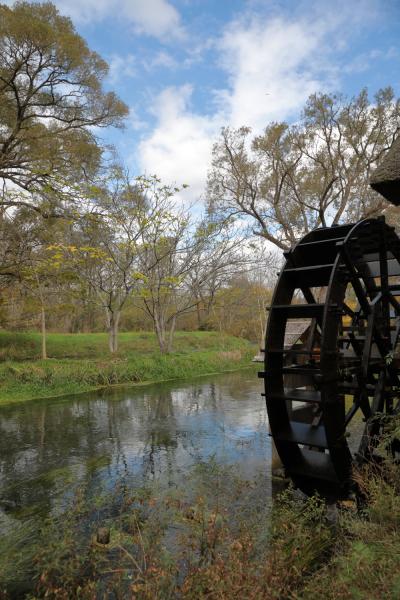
(76, 254)
(172, 280)
(98, 254)
(94, 190)
(140, 277)
(205, 230)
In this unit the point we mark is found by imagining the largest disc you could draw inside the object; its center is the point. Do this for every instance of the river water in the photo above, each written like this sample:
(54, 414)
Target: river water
(138, 435)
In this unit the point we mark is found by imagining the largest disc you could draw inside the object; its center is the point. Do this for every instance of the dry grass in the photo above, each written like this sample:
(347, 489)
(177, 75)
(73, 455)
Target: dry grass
(218, 539)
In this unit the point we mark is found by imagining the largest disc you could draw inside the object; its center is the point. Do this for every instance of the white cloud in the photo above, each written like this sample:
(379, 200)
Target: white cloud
(126, 66)
(273, 67)
(134, 121)
(363, 61)
(157, 18)
(121, 67)
(258, 61)
(161, 59)
(179, 148)
(154, 17)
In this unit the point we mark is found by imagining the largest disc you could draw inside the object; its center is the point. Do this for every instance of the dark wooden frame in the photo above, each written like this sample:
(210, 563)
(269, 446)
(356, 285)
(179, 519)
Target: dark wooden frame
(357, 359)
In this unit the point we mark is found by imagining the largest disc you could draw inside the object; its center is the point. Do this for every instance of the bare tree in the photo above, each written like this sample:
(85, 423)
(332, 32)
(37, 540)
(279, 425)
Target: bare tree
(292, 179)
(218, 258)
(184, 264)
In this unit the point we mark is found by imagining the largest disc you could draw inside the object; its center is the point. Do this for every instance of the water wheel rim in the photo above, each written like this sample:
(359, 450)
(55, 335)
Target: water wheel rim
(333, 410)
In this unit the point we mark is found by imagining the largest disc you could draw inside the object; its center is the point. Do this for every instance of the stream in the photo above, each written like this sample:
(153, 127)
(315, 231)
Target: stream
(137, 435)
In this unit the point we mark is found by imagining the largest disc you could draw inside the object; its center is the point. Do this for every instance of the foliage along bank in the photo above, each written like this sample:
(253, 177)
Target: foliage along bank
(218, 536)
(80, 362)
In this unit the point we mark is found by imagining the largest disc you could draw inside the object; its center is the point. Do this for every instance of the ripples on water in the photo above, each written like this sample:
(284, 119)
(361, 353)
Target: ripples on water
(136, 435)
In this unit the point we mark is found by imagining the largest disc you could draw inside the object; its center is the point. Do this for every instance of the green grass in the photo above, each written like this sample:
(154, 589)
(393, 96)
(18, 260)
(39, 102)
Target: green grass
(82, 362)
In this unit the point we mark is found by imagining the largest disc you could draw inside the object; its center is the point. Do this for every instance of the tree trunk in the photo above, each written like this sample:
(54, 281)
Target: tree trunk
(171, 334)
(199, 323)
(43, 327)
(113, 323)
(160, 331)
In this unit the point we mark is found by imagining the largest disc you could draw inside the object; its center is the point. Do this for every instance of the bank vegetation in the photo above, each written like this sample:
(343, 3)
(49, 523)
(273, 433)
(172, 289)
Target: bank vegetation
(217, 536)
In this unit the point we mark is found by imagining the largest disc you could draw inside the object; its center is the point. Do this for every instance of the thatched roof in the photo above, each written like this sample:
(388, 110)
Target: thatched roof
(386, 178)
(294, 331)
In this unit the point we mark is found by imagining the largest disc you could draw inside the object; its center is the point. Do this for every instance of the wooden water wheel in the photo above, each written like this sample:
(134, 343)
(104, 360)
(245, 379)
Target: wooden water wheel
(346, 281)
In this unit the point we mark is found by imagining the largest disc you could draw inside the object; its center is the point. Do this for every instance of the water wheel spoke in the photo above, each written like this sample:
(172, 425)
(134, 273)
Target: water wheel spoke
(350, 414)
(373, 424)
(348, 352)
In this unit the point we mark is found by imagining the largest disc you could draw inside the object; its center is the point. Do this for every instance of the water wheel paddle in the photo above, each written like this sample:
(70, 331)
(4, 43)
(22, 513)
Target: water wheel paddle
(345, 281)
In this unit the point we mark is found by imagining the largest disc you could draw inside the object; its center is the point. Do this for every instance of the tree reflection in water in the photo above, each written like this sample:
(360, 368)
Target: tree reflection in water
(132, 435)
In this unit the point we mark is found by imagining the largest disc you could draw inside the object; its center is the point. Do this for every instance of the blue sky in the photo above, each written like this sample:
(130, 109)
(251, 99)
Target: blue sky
(185, 68)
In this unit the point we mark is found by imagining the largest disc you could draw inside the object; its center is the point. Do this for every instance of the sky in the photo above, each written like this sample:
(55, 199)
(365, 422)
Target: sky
(186, 68)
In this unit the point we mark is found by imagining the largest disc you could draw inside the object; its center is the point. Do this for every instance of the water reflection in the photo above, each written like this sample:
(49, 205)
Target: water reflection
(136, 435)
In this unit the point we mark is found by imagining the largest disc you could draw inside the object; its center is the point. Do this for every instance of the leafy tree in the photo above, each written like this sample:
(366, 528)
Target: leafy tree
(110, 265)
(51, 105)
(16, 240)
(41, 277)
(239, 308)
(294, 178)
(103, 250)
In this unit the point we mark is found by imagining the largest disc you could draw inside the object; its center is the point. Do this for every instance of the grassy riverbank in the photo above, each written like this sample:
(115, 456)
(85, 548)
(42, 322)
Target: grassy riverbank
(82, 362)
(217, 537)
